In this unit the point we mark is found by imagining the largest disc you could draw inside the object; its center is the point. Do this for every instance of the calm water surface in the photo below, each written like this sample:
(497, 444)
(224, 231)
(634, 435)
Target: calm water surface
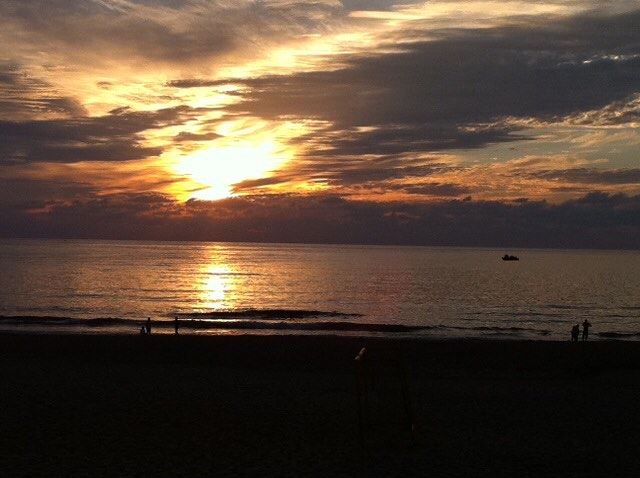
(431, 292)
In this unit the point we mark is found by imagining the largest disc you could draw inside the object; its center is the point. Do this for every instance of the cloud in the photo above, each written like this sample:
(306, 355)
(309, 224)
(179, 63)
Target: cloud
(188, 137)
(162, 32)
(388, 116)
(592, 176)
(23, 194)
(401, 138)
(23, 96)
(113, 137)
(596, 220)
(195, 83)
(456, 89)
(624, 112)
(437, 189)
(352, 5)
(353, 174)
(462, 89)
(392, 176)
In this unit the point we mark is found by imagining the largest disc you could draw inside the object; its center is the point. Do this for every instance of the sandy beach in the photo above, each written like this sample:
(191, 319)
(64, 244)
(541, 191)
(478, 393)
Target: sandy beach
(288, 406)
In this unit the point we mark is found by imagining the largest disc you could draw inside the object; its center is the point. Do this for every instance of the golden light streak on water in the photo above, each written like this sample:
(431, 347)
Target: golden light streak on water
(217, 287)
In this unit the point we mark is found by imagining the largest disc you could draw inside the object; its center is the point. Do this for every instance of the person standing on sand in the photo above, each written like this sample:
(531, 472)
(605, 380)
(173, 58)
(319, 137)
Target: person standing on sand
(575, 333)
(585, 329)
(175, 323)
(148, 325)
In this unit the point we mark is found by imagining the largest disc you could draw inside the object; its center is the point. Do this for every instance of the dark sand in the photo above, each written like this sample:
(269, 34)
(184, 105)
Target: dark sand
(286, 406)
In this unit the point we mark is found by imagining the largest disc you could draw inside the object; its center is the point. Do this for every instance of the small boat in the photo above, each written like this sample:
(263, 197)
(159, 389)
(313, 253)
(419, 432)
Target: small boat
(507, 257)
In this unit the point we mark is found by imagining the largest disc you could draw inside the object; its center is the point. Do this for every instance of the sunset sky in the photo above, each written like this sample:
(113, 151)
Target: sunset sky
(504, 122)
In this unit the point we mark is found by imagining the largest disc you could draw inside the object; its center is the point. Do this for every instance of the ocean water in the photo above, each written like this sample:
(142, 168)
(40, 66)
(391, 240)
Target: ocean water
(222, 288)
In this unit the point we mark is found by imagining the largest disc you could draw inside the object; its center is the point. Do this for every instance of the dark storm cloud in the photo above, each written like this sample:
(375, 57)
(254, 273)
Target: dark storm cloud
(113, 137)
(433, 94)
(594, 221)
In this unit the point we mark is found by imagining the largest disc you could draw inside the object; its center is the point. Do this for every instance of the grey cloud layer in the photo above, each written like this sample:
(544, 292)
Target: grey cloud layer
(424, 99)
(464, 89)
(593, 221)
(20, 194)
(113, 137)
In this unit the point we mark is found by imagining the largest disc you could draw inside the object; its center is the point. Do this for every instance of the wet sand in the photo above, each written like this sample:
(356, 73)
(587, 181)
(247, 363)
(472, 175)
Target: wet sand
(287, 406)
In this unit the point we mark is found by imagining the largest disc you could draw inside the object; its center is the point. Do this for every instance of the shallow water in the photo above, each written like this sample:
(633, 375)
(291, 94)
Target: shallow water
(431, 292)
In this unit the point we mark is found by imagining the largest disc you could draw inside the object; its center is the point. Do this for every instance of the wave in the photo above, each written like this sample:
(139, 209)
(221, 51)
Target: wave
(271, 319)
(501, 330)
(517, 313)
(65, 321)
(618, 335)
(199, 324)
(349, 326)
(572, 306)
(310, 326)
(266, 314)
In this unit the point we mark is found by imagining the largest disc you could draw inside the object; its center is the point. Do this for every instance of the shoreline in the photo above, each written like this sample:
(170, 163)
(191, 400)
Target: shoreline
(376, 333)
(310, 323)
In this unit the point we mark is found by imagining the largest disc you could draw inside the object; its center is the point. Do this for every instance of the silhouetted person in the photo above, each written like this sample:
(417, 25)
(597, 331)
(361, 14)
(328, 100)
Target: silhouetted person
(575, 333)
(175, 323)
(149, 325)
(585, 329)
(143, 330)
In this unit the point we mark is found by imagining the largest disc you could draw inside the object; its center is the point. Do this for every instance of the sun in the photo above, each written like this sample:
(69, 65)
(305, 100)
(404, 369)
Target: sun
(218, 168)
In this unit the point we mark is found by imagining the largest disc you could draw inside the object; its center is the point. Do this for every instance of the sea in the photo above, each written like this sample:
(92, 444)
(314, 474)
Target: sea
(91, 287)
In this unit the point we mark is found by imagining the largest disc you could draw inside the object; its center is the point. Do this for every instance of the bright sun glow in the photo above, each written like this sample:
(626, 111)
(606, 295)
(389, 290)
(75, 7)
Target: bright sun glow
(217, 169)
(247, 149)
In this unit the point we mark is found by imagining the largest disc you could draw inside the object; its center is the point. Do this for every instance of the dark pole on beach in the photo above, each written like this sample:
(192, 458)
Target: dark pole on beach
(176, 325)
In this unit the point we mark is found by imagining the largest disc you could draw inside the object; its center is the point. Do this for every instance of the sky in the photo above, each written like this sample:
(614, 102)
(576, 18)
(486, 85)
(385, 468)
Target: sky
(473, 123)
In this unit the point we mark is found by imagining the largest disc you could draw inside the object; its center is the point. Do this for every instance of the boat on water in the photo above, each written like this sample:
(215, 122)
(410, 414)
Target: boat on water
(507, 257)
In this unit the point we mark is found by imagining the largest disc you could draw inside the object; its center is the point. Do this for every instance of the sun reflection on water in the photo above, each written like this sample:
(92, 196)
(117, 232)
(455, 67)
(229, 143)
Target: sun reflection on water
(217, 287)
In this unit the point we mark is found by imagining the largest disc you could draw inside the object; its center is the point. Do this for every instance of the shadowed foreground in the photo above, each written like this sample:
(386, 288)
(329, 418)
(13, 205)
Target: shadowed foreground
(287, 406)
